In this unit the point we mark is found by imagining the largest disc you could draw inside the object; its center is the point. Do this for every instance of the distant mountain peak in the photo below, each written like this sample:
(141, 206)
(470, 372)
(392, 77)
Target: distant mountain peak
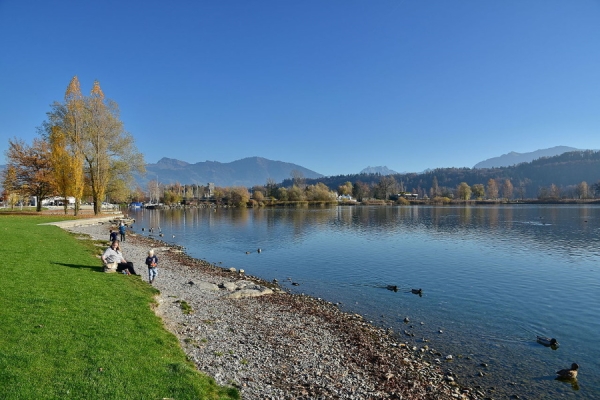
(171, 163)
(514, 158)
(378, 170)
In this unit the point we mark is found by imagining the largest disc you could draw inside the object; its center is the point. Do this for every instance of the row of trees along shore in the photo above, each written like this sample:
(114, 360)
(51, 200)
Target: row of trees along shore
(385, 190)
(260, 195)
(82, 151)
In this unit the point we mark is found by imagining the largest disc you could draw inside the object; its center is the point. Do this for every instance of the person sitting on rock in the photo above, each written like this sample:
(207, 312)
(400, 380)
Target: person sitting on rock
(113, 255)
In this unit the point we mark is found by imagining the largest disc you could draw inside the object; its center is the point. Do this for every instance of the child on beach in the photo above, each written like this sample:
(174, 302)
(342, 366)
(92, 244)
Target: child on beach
(113, 236)
(151, 262)
(122, 231)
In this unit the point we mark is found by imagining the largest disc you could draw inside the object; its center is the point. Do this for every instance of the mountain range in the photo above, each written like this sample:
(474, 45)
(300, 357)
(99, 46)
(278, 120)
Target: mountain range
(514, 158)
(246, 172)
(253, 171)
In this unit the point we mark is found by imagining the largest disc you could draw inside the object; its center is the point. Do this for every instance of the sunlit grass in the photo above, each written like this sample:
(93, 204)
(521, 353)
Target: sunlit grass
(70, 331)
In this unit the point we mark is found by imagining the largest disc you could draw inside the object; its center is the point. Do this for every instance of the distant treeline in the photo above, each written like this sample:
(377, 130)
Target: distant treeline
(560, 176)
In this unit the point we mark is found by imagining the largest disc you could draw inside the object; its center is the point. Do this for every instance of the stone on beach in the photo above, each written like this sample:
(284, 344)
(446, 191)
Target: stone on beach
(251, 292)
(244, 288)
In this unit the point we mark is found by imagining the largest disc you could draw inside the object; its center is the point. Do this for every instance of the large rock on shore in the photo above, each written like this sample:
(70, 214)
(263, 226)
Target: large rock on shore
(243, 288)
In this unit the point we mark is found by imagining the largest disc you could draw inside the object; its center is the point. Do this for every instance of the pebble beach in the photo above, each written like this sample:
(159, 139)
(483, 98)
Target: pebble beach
(271, 344)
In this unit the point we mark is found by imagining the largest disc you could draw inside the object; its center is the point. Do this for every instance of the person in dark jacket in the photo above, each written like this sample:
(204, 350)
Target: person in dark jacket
(122, 231)
(152, 263)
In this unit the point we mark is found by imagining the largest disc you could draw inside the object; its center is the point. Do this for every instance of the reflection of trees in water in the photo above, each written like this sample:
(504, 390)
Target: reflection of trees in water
(153, 218)
(547, 227)
(543, 227)
(302, 219)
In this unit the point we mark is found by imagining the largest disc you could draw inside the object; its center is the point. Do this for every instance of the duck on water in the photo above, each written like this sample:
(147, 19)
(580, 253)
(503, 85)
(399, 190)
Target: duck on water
(568, 373)
(548, 342)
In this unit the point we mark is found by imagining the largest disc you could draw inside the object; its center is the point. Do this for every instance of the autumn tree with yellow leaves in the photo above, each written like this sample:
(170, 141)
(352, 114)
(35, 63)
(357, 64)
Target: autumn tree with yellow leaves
(67, 168)
(92, 134)
(74, 117)
(492, 189)
(9, 182)
(345, 189)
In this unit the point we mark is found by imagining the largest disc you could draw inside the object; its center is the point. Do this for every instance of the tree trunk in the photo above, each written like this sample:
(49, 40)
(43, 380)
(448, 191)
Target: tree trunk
(97, 204)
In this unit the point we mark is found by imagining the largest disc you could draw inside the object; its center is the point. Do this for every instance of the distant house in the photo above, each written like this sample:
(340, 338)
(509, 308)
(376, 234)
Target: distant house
(409, 196)
(345, 197)
(58, 201)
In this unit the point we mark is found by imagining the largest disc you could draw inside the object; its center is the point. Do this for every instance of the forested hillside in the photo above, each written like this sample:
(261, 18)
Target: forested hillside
(560, 174)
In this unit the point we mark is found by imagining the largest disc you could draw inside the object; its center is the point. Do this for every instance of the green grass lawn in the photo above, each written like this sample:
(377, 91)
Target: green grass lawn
(70, 331)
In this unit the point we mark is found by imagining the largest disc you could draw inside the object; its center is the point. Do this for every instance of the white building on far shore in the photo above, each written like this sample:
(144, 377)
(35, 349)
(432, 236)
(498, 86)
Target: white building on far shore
(57, 201)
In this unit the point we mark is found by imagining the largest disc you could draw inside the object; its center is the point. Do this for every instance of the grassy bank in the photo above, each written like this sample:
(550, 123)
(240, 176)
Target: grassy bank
(70, 331)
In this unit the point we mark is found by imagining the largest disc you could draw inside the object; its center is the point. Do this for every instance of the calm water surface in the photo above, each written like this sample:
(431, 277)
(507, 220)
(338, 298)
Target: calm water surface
(492, 277)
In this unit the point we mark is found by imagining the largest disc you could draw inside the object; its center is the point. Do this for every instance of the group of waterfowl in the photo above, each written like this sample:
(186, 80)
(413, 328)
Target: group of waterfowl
(160, 233)
(394, 288)
(568, 374)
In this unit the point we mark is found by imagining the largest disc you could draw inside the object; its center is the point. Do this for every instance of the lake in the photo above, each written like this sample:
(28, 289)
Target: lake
(492, 278)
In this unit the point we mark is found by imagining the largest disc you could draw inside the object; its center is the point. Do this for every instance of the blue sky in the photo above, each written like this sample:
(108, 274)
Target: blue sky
(334, 86)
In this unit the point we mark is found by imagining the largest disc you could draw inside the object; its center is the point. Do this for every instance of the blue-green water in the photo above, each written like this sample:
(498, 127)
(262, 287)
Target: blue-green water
(492, 277)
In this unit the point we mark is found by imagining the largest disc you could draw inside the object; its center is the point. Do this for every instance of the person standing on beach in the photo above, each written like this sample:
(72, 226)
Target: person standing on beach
(151, 262)
(113, 235)
(113, 255)
(122, 231)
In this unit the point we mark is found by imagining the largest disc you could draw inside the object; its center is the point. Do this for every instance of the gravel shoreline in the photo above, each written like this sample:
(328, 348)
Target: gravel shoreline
(278, 345)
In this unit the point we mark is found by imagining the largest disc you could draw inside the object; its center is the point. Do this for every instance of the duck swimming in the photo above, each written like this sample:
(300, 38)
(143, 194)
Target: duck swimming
(553, 343)
(393, 288)
(568, 373)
